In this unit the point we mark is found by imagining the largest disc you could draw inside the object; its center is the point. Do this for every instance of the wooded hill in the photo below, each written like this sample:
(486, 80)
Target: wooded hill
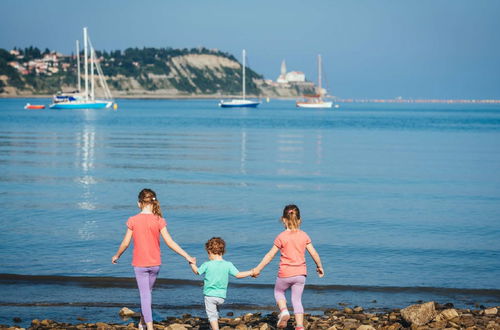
(136, 72)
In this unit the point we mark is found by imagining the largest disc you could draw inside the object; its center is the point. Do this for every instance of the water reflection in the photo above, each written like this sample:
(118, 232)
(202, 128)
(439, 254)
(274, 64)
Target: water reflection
(85, 158)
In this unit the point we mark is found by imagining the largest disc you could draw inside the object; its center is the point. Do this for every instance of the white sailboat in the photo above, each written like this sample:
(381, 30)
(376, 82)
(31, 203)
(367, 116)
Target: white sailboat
(87, 100)
(243, 102)
(315, 100)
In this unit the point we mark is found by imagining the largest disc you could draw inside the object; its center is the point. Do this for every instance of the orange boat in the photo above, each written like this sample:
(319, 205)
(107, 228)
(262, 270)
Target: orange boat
(34, 106)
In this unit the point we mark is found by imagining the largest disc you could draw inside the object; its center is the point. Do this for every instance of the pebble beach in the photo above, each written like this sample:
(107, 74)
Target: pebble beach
(429, 315)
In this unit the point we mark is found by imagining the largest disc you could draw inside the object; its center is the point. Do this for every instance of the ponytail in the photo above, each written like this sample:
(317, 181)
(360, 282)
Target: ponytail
(291, 217)
(148, 196)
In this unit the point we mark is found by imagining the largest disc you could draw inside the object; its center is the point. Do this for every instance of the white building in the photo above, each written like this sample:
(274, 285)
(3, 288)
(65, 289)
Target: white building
(290, 77)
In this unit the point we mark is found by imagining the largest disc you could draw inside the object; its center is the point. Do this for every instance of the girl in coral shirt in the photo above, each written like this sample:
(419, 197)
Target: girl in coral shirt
(146, 228)
(292, 243)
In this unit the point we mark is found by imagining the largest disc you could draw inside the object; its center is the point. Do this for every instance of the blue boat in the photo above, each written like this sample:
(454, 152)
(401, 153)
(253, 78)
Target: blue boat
(238, 103)
(82, 105)
(243, 102)
(86, 100)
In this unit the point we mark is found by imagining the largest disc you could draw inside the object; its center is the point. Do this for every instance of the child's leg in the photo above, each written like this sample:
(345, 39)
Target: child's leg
(297, 290)
(142, 276)
(153, 274)
(279, 294)
(212, 309)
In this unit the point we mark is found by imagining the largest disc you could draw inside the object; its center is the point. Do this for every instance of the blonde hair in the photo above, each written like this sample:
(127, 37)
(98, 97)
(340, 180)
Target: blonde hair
(148, 196)
(291, 217)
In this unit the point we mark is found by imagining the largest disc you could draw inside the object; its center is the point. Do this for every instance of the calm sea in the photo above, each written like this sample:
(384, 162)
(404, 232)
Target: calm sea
(401, 201)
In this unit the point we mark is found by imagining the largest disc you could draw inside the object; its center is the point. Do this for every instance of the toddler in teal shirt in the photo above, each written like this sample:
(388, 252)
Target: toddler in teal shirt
(217, 271)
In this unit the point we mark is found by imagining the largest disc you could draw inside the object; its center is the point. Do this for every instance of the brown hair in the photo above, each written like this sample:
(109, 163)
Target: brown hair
(148, 196)
(291, 217)
(216, 245)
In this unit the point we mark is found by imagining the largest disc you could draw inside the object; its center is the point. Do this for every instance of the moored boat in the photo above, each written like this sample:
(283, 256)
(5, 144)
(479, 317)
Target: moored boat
(87, 99)
(243, 102)
(34, 106)
(315, 100)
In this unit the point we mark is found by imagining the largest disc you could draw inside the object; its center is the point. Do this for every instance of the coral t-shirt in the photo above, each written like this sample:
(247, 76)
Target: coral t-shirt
(292, 245)
(146, 234)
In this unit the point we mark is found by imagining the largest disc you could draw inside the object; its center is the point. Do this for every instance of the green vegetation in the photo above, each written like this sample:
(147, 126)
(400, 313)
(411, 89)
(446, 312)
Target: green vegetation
(152, 68)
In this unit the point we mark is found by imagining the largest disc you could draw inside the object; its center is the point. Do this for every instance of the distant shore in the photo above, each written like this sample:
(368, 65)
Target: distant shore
(428, 315)
(218, 97)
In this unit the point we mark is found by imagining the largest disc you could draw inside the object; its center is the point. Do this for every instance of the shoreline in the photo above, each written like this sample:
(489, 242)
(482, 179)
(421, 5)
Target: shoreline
(218, 97)
(423, 316)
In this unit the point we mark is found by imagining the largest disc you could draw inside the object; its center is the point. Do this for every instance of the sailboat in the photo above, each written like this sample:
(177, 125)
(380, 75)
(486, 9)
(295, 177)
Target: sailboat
(86, 100)
(243, 102)
(315, 100)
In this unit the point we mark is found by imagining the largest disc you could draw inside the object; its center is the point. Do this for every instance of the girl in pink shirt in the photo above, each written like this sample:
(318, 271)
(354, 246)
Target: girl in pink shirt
(292, 244)
(146, 228)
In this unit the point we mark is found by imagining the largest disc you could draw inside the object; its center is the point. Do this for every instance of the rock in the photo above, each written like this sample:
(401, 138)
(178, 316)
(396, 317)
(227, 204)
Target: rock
(332, 328)
(348, 310)
(186, 316)
(447, 315)
(17, 319)
(45, 323)
(365, 327)
(82, 319)
(230, 314)
(126, 312)
(241, 326)
(395, 326)
(358, 309)
(247, 317)
(178, 326)
(264, 326)
(491, 311)
(419, 314)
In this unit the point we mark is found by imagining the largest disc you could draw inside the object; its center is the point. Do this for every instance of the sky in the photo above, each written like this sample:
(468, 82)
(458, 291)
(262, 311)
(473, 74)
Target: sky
(448, 49)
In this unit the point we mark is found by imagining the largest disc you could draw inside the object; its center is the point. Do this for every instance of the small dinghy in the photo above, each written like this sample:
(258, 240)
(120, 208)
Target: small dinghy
(34, 106)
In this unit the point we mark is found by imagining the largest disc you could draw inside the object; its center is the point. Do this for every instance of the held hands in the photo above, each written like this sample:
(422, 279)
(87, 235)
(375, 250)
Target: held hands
(114, 259)
(255, 272)
(191, 260)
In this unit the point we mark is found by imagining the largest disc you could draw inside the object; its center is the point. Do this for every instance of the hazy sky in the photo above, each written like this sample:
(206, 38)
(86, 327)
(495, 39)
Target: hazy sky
(370, 48)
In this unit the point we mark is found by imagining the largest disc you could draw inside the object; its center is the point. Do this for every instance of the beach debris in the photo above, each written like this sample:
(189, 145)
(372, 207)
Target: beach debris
(419, 314)
(126, 312)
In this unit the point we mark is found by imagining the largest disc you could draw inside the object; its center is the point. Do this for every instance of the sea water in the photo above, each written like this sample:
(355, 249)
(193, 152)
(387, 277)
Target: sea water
(402, 202)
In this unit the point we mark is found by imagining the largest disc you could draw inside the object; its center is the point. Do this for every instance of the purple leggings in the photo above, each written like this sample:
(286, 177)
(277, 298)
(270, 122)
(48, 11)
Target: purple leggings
(146, 277)
(297, 284)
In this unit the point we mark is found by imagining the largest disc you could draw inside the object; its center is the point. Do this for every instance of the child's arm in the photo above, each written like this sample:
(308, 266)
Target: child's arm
(174, 246)
(245, 274)
(319, 267)
(267, 259)
(123, 246)
(194, 268)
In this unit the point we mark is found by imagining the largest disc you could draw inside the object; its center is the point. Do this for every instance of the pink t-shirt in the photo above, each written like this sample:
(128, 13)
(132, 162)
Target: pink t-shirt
(146, 234)
(292, 245)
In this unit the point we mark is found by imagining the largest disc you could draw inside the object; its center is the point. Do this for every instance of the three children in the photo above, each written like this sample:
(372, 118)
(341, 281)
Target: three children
(146, 228)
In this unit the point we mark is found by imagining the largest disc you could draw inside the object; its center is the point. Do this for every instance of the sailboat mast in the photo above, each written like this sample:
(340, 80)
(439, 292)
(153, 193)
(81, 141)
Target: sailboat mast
(243, 82)
(92, 59)
(319, 75)
(78, 66)
(85, 46)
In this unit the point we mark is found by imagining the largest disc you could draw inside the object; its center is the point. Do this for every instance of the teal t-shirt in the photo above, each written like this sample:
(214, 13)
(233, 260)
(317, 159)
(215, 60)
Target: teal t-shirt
(216, 277)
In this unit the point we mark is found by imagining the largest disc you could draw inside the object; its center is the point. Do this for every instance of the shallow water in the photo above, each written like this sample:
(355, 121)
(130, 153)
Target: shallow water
(397, 195)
